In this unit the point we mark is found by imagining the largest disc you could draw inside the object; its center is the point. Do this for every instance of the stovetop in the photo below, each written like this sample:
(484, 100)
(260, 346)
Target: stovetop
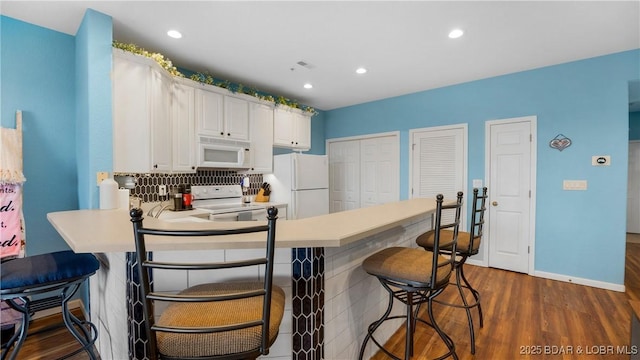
(220, 199)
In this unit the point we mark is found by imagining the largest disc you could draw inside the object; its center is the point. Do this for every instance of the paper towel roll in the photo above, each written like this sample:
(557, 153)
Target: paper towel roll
(123, 199)
(108, 194)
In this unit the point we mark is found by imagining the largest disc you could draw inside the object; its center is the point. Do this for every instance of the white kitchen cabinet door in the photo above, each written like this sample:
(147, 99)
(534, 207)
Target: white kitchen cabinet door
(209, 113)
(302, 131)
(161, 145)
(282, 128)
(291, 129)
(131, 141)
(236, 118)
(183, 125)
(261, 126)
(141, 115)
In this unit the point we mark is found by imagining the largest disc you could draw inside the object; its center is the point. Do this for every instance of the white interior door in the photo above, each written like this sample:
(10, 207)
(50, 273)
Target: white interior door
(344, 167)
(633, 191)
(510, 187)
(379, 159)
(364, 170)
(439, 164)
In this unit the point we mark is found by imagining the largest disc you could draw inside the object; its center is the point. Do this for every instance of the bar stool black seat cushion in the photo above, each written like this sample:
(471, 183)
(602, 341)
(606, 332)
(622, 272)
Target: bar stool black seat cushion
(408, 265)
(216, 314)
(37, 270)
(426, 241)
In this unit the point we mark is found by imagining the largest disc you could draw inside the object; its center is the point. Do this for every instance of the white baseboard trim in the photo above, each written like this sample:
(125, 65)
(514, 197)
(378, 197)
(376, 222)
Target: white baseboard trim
(580, 281)
(75, 303)
(482, 263)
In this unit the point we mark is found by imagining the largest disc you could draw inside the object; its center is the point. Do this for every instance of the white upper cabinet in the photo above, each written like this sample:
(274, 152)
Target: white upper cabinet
(209, 113)
(291, 129)
(183, 127)
(157, 120)
(236, 116)
(141, 116)
(221, 116)
(261, 125)
(161, 145)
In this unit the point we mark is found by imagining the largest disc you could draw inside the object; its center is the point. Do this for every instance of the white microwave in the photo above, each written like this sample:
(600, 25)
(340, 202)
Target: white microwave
(223, 154)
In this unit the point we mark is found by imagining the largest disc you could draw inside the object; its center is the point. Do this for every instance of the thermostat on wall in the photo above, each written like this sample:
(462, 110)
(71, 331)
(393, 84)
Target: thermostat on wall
(601, 160)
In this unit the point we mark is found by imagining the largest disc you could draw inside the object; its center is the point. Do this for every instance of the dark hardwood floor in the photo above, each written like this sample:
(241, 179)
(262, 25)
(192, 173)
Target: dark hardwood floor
(522, 314)
(48, 339)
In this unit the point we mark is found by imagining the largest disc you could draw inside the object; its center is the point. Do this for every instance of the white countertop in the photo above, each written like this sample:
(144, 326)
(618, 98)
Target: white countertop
(111, 230)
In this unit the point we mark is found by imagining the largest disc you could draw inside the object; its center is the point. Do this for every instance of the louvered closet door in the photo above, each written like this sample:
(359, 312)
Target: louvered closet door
(439, 164)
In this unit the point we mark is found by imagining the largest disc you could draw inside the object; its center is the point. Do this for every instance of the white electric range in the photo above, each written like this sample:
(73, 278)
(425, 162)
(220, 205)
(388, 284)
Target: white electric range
(224, 203)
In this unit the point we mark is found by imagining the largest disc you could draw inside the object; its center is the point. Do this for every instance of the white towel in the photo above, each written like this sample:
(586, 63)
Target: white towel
(11, 153)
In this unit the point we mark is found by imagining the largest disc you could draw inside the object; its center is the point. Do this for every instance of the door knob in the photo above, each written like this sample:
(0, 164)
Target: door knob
(495, 203)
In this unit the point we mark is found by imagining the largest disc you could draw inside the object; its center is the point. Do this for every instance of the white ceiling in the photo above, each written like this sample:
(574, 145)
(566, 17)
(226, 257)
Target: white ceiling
(404, 45)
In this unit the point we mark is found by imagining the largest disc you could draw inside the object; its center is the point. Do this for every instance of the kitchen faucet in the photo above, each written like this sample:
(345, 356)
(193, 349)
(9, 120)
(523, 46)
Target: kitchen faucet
(162, 208)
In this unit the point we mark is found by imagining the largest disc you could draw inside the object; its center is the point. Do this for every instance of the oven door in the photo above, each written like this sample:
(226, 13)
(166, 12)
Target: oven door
(232, 216)
(249, 215)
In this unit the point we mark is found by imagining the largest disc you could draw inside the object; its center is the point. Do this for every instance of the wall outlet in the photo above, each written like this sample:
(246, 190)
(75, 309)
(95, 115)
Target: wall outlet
(101, 175)
(162, 190)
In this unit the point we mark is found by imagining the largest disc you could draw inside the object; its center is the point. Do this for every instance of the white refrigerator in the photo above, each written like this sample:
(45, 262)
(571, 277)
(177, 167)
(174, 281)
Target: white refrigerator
(302, 182)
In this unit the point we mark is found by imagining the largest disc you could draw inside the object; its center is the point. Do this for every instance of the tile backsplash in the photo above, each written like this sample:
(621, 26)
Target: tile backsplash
(146, 185)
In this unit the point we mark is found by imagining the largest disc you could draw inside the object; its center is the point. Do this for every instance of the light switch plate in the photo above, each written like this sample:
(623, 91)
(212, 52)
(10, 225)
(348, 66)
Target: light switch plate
(574, 185)
(477, 183)
(101, 175)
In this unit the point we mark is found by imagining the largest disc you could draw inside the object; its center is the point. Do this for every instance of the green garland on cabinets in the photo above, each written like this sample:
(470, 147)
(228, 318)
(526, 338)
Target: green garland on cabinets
(206, 78)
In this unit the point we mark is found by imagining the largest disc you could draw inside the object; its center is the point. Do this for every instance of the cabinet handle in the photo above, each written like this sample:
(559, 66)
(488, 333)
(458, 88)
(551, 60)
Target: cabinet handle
(155, 166)
(495, 203)
(193, 168)
(228, 134)
(221, 133)
(292, 143)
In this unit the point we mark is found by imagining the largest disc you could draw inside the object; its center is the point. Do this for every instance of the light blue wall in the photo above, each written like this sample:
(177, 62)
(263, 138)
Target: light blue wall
(579, 234)
(38, 77)
(93, 104)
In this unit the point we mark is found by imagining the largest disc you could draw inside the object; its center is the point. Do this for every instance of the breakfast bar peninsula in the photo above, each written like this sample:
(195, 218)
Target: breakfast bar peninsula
(330, 299)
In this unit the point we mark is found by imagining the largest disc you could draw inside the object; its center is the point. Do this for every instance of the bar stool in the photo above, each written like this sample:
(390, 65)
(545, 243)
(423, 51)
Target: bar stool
(60, 273)
(468, 245)
(217, 320)
(414, 277)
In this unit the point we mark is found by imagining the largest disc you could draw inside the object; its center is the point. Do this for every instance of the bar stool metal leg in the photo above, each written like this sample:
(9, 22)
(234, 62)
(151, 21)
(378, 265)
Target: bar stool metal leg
(85, 336)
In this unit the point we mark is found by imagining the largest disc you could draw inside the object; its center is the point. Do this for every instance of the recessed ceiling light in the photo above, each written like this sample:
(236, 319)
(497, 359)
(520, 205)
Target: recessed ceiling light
(361, 70)
(174, 34)
(308, 86)
(456, 33)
